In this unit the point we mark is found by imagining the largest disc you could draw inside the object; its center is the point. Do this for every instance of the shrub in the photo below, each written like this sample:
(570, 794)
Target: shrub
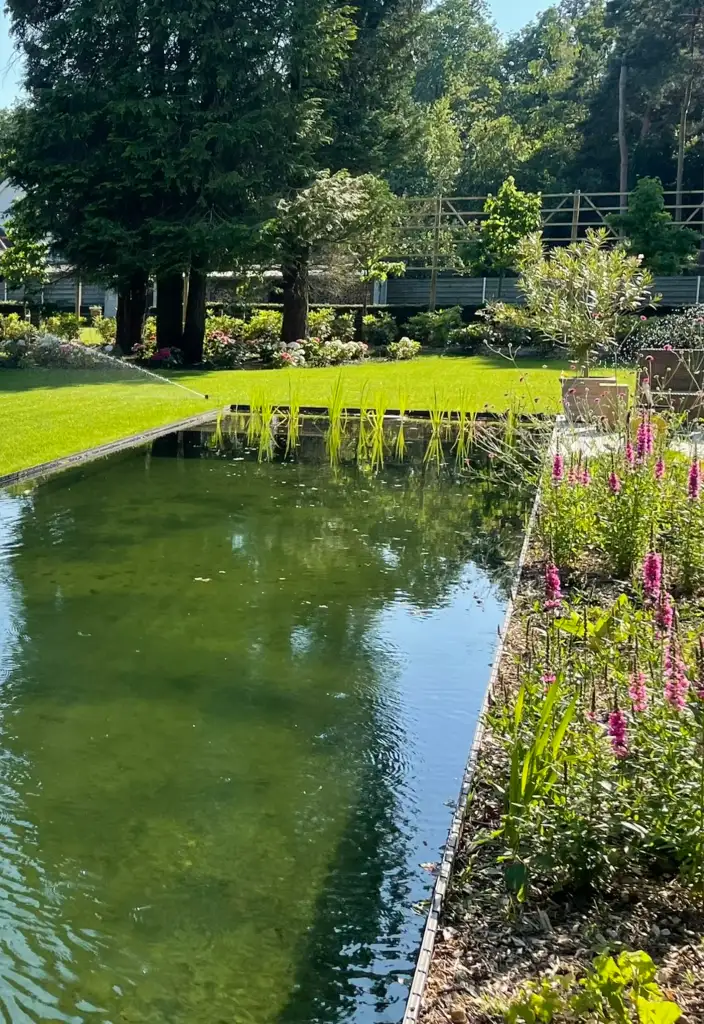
(231, 326)
(468, 339)
(107, 328)
(13, 327)
(666, 246)
(144, 350)
(404, 349)
(434, 328)
(379, 330)
(65, 325)
(580, 297)
(17, 335)
(50, 350)
(167, 358)
(334, 352)
(221, 350)
(320, 322)
(150, 329)
(289, 355)
(264, 326)
(682, 329)
(343, 327)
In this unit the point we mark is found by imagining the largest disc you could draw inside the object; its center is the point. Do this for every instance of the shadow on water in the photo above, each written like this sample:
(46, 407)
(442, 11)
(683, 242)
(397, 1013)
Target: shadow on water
(236, 698)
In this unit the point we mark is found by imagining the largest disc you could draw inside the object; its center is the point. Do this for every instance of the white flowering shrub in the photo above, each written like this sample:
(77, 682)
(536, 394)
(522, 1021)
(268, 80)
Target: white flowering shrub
(405, 348)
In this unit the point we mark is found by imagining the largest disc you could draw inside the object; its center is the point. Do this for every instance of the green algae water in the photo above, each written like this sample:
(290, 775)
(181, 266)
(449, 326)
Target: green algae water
(235, 705)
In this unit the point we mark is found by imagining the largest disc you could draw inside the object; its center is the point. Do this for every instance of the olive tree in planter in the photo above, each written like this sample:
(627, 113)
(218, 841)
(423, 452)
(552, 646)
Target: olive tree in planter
(581, 298)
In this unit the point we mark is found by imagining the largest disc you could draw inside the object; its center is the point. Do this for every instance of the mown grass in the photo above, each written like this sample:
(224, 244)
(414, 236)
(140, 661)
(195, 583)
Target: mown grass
(45, 414)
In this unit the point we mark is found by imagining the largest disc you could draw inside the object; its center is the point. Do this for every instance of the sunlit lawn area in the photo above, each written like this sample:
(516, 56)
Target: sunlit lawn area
(45, 414)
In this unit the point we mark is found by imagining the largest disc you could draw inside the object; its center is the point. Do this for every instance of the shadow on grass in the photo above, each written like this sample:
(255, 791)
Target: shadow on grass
(14, 381)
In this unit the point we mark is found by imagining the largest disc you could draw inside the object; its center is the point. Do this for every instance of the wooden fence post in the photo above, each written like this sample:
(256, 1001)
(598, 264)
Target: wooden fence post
(576, 208)
(436, 253)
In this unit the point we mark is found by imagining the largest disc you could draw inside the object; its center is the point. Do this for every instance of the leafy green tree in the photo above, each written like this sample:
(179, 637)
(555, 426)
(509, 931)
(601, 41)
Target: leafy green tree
(156, 133)
(338, 215)
(649, 229)
(24, 265)
(511, 216)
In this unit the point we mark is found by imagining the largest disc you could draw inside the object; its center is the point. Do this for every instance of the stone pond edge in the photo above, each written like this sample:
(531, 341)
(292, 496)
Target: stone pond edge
(423, 964)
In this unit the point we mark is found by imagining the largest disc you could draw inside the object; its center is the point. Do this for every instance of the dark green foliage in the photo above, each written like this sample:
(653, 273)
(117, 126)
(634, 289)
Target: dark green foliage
(434, 328)
(650, 230)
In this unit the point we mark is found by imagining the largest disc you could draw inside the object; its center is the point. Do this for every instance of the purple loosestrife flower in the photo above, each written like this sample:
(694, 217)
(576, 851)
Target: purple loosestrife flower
(553, 587)
(618, 733)
(548, 679)
(614, 482)
(665, 614)
(660, 468)
(558, 469)
(695, 480)
(644, 441)
(652, 576)
(572, 476)
(638, 692)
(676, 682)
(630, 454)
(586, 476)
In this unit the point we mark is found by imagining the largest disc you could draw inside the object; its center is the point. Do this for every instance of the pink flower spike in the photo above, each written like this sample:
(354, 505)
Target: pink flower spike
(676, 682)
(618, 734)
(638, 692)
(553, 587)
(644, 440)
(630, 454)
(558, 468)
(694, 486)
(660, 469)
(549, 678)
(652, 576)
(614, 483)
(665, 614)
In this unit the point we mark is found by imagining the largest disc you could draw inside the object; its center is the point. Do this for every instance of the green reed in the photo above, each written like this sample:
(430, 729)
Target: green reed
(334, 435)
(293, 423)
(434, 452)
(254, 424)
(463, 439)
(377, 438)
(400, 446)
(266, 445)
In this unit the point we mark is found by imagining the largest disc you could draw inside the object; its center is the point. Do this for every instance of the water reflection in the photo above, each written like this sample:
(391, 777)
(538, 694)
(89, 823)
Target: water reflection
(235, 700)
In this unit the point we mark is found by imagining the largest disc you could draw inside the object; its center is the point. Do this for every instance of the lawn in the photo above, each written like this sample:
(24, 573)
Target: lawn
(45, 414)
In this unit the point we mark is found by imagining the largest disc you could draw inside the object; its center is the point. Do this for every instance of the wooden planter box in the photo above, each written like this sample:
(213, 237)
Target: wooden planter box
(589, 399)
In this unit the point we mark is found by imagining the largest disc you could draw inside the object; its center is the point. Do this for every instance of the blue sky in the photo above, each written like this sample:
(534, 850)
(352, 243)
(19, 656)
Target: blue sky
(510, 15)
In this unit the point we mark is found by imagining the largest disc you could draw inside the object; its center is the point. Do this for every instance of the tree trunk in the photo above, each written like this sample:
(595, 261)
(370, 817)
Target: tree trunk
(131, 311)
(295, 321)
(622, 140)
(169, 311)
(194, 330)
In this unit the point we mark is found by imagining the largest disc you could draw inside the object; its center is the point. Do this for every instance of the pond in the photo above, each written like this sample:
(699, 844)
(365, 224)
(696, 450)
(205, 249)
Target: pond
(236, 702)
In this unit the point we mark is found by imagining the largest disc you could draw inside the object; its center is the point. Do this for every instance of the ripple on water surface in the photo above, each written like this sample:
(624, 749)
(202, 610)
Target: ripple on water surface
(235, 702)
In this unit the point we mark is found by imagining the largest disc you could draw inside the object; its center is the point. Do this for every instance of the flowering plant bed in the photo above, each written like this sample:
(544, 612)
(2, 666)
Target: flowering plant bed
(578, 891)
